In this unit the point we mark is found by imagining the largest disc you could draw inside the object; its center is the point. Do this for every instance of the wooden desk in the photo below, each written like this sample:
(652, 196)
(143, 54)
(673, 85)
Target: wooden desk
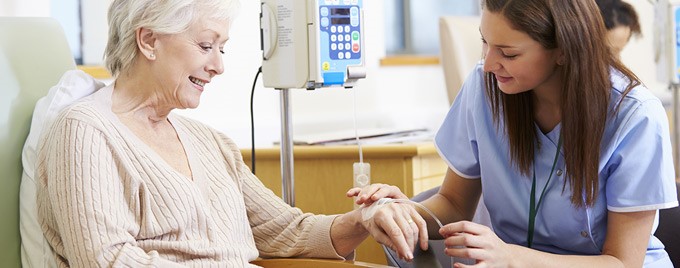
(323, 174)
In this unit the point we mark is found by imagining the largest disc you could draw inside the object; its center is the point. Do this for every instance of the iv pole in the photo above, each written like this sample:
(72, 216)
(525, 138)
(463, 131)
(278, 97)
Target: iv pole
(274, 28)
(287, 178)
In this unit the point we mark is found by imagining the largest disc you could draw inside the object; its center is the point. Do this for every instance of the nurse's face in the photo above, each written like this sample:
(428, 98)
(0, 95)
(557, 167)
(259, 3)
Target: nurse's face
(518, 62)
(186, 62)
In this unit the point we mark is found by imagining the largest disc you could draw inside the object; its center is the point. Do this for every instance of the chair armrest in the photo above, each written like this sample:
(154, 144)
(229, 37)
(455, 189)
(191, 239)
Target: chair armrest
(312, 263)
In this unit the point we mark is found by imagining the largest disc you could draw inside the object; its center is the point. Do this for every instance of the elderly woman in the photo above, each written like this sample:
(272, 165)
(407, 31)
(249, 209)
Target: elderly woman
(125, 182)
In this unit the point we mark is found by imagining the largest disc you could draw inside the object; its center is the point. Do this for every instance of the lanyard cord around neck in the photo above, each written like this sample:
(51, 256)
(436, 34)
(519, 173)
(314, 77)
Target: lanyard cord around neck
(533, 206)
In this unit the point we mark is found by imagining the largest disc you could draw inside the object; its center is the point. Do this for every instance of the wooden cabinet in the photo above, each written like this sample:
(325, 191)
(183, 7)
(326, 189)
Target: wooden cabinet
(323, 174)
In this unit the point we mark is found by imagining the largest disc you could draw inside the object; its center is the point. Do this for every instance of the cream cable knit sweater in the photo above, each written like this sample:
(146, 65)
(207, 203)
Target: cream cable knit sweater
(106, 199)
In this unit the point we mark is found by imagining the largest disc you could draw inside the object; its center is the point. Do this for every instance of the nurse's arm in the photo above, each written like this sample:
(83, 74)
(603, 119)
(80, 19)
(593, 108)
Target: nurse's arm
(457, 200)
(624, 246)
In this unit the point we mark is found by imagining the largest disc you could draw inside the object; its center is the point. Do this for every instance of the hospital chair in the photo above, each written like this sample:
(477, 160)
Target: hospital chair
(669, 232)
(33, 56)
(461, 49)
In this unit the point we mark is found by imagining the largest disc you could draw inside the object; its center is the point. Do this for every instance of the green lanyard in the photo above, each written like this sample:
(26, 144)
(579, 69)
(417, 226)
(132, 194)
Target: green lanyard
(533, 207)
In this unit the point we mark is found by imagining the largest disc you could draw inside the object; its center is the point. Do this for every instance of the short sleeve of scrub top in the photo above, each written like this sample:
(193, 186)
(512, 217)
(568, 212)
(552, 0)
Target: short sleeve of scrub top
(637, 161)
(456, 139)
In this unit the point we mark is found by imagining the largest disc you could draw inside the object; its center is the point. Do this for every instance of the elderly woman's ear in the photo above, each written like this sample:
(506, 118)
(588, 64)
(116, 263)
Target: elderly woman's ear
(146, 42)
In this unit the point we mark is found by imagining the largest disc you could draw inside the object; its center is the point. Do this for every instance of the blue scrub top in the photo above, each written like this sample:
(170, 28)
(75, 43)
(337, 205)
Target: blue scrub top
(635, 171)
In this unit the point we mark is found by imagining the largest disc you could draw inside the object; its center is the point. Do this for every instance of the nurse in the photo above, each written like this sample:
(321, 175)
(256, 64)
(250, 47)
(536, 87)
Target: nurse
(571, 152)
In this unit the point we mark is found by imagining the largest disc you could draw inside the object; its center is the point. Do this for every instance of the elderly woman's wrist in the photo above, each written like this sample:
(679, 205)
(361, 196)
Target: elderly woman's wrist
(354, 218)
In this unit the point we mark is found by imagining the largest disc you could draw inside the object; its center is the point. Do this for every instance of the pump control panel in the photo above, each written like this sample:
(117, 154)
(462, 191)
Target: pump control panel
(312, 43)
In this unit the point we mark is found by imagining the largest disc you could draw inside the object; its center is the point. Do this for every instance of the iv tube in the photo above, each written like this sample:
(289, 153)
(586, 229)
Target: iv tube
(356, 131)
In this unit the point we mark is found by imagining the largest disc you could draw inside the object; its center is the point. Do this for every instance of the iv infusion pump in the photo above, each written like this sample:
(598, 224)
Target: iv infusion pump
(312, 43)
(667, 40)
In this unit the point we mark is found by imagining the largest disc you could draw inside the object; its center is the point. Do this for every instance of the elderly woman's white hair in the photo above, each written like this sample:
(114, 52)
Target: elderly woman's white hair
(160, 16)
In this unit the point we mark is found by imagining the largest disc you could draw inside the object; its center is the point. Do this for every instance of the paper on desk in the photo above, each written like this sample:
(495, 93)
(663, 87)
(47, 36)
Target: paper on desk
(367, 136)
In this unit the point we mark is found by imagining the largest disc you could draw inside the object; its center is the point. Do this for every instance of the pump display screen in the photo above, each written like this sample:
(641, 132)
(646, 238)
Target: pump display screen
(340, 11)
(341, 20)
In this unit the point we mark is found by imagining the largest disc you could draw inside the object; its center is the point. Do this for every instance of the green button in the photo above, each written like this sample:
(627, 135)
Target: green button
(355, 35)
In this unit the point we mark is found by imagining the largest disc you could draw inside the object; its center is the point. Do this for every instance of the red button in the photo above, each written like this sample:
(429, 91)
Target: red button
(355, 48)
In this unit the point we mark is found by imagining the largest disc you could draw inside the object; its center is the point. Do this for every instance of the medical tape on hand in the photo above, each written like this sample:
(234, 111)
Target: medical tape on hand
(367, 213)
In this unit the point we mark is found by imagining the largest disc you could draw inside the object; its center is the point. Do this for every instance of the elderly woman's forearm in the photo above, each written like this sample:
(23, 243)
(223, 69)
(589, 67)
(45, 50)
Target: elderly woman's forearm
(347, 232)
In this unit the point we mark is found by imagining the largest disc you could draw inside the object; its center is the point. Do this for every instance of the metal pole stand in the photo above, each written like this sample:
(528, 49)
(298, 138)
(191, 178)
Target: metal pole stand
(287, 179)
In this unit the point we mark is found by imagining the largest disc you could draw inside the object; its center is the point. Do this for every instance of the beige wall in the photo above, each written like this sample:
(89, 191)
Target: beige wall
(639, 54)
(25, 8)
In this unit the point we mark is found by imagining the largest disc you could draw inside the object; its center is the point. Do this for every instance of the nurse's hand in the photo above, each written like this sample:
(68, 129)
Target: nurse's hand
(470, 240)
(371, 193)
(395, 225)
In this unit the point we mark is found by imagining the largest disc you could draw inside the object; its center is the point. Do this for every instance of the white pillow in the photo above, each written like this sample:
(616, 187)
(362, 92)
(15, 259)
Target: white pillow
(73, 85)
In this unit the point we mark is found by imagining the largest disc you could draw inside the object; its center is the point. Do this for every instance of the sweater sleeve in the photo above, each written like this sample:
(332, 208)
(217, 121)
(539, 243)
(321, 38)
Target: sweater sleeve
(85, 204)
(280, 230)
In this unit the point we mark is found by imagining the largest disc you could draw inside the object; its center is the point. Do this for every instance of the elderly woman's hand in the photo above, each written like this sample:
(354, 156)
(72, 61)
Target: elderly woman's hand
(396, 225)
(372, 193)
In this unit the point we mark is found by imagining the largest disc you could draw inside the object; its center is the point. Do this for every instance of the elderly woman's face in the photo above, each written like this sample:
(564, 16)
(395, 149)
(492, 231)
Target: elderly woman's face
(186, 62)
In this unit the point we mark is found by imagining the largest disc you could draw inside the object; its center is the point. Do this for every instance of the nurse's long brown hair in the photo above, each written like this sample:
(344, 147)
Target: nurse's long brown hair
(575, 27)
